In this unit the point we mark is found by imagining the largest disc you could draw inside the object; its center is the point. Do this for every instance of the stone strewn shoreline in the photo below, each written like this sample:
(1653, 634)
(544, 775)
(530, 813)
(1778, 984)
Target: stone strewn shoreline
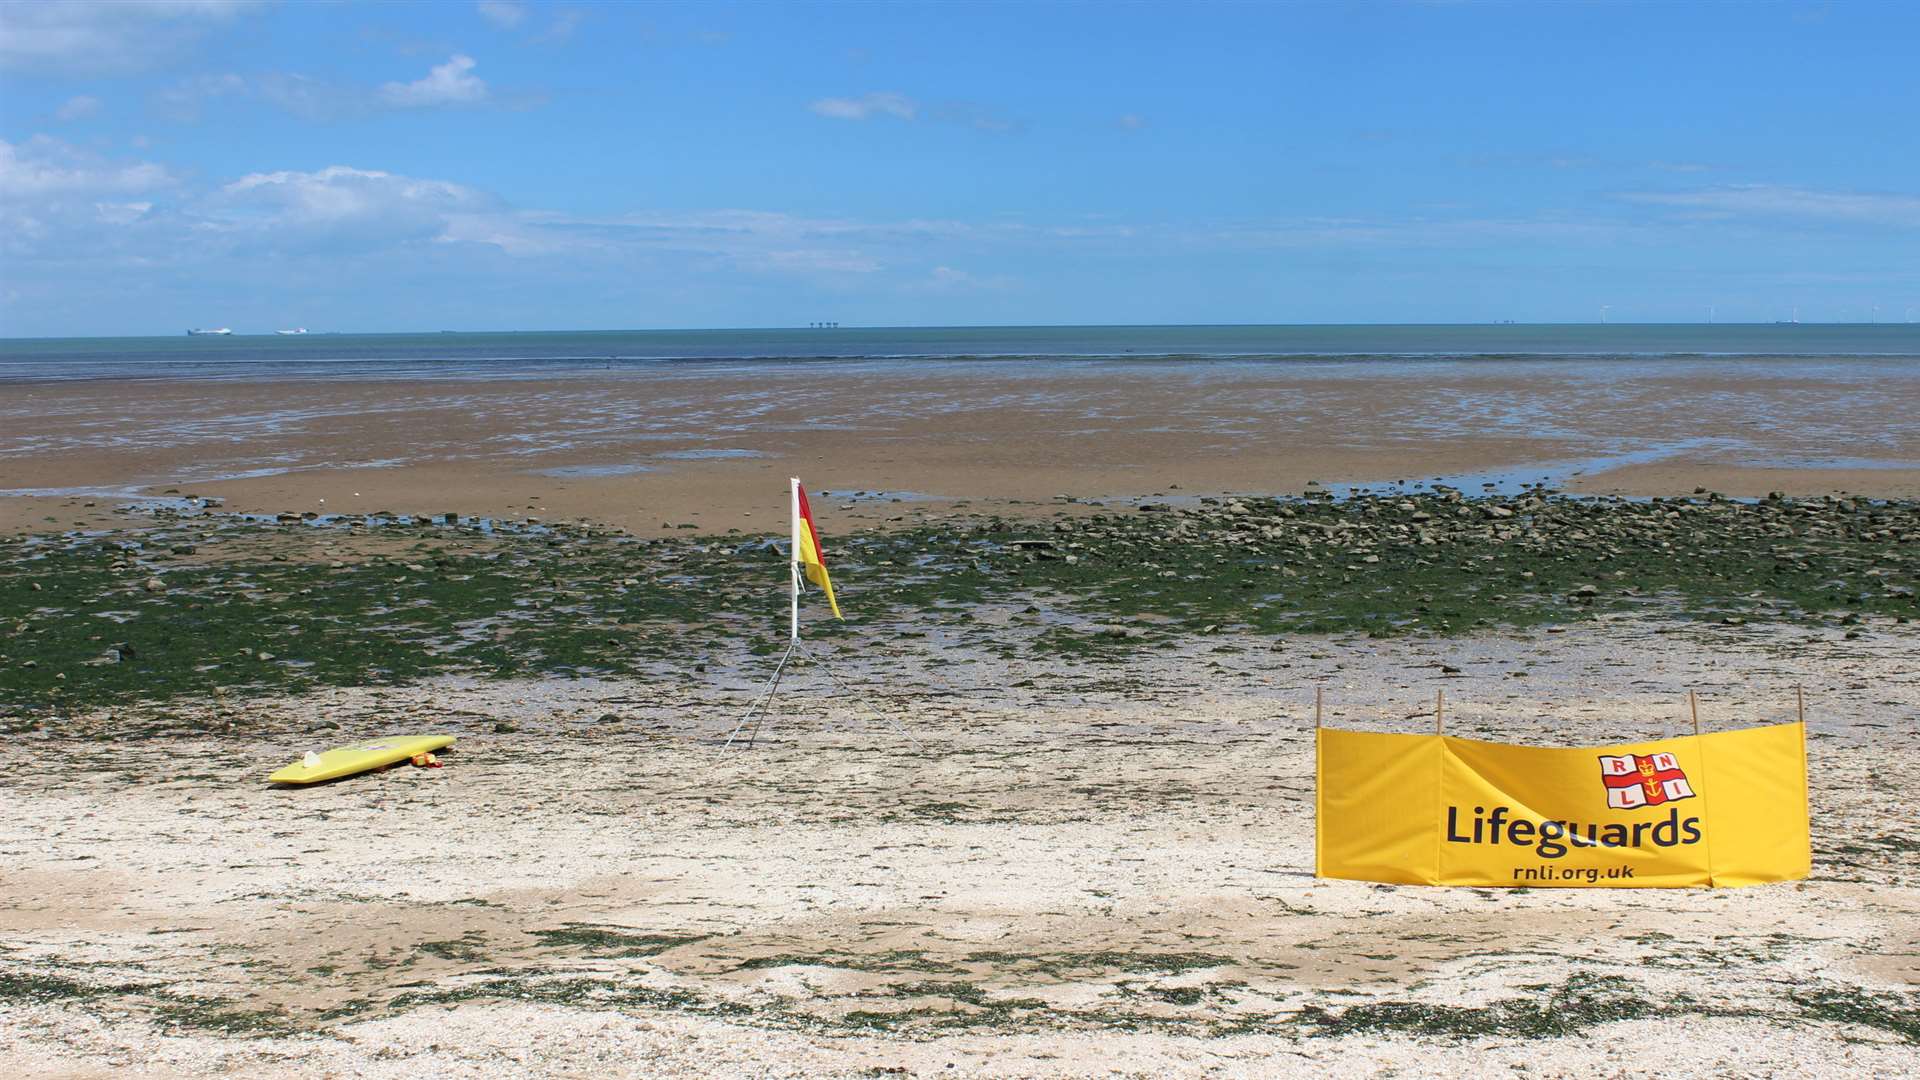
(181, 605)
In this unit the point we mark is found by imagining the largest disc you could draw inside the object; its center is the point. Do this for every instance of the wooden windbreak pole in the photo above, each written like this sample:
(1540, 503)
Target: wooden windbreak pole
(1439, 712)
(1800, 703)
(1693, 705)
(1318, 691)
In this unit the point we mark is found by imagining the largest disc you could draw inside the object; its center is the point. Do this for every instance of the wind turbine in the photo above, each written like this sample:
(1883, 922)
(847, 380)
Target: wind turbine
(1604, 308)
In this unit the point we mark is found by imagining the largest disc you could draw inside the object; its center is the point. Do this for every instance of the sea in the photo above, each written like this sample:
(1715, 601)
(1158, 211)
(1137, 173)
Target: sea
(544, 354)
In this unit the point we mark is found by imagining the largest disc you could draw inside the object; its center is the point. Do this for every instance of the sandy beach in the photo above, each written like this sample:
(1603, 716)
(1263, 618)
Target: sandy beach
(1058, 820)
(1060, 878)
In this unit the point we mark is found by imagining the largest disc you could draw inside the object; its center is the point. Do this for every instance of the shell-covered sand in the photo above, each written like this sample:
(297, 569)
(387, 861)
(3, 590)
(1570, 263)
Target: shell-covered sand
(1071, 872)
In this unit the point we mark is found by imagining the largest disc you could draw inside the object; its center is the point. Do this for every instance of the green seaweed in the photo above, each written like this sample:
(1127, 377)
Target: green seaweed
(245, 608)
(607, 941)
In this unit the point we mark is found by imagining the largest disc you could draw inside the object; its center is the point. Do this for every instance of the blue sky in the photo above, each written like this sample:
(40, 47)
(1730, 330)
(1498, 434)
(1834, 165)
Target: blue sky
(500, 165)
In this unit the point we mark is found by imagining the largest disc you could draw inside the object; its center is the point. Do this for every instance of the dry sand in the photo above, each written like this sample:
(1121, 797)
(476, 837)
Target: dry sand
(1078, 871)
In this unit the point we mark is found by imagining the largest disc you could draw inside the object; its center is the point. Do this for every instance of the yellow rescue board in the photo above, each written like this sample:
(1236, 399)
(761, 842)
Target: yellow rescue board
(358, 758)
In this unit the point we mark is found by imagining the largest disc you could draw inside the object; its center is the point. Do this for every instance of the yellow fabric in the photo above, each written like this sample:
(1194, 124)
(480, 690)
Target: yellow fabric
(1427, 809)
(1362, 825)
(813, 567)
(1759, 774)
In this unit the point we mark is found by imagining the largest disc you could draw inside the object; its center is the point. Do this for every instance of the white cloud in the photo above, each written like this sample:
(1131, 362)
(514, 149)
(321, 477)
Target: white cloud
(1763, 200)
(99, 36)
(866, 106)
(65, 209)
(44, 168)
(502, 13)
(183, 100)
(59, 201)
(883, 103)
(83, 107)
(340, 206)
(124, 213)
(948, 280)
(562, 27)
(451, 83)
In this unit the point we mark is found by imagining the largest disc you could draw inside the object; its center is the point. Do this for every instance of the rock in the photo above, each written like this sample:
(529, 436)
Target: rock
(1586, 590)
(154, 584)
(1499, 512)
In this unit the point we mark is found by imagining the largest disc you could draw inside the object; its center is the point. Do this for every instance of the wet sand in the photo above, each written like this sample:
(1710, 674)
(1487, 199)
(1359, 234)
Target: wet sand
(712, 447)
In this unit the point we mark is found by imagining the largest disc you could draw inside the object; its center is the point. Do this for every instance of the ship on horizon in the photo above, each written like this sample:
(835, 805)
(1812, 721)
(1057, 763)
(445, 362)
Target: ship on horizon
(292, 332)
(219, 331)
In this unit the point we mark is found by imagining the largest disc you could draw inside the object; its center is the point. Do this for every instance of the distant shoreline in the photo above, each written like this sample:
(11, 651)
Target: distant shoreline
(497, 352)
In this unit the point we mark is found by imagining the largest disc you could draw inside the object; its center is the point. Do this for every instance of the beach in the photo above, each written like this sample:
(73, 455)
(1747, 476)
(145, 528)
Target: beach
(1061, 876)
(708, 443)
(1052, 812)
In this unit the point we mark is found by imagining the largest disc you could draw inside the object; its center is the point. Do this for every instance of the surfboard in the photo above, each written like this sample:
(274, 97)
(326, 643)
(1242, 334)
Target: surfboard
(358, 758)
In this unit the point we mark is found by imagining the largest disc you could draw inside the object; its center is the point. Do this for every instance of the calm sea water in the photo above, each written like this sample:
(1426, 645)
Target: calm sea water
(536, 354)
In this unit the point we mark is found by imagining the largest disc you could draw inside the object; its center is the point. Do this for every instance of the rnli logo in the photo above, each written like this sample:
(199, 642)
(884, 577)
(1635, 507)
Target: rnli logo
(1636, 780)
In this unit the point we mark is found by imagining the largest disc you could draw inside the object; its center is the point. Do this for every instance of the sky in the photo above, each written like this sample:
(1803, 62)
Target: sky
(515, 164)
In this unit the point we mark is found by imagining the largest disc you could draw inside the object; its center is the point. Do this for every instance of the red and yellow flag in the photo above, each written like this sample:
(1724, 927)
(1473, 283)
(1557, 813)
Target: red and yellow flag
(806, 547)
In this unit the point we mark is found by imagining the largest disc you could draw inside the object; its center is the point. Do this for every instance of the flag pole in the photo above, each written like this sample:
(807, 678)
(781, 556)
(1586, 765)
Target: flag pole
(793, 561)
(757, 711)
(756, 718)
